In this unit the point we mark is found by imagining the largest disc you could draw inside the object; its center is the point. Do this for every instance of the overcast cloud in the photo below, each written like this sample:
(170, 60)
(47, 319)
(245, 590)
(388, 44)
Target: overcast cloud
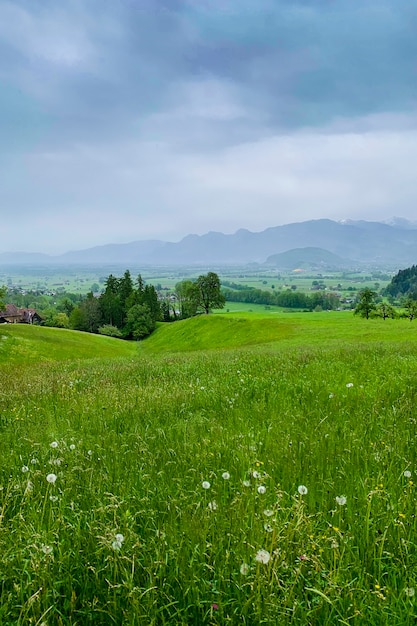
(123, 120)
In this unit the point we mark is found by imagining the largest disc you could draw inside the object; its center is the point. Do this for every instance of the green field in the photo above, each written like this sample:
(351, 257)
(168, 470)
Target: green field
(241, 468)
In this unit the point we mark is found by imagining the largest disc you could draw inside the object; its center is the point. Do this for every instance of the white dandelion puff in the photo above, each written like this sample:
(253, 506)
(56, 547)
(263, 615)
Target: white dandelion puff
(54, 444)
(407, 473)
(341, 500)
(205, 484)
(268, 513)
(51, 478)
(409, 591)
(212, 505)
(256, 474)
(53, 498)
(72, 446)
(226, 476)
(262, 556)
(116, 545)
(25, 469)
(268, 528)
(261, 489)
(47, 549)
(244, 569)
(119, 537)
(349, 385)
(302, 490)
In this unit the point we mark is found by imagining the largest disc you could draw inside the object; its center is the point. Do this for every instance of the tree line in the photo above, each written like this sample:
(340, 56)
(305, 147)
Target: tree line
(288, 299)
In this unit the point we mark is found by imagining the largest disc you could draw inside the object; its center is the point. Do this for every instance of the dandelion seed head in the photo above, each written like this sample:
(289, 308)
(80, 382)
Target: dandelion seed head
(226, 476)
(54, 444)
(25, 469)
(212, 505)
(256, 474)
(116, 545)
(47, 549)
(246, 483)
(268, 513)
(205, 484)
(53, 498)
(349, 385)
(341, 500)
(407, 474)
(72, 446)
(268, 528)
(51, 478)
(410, 592)
(34, 461)
(244, 569)
(119, 537)
(261, 489)
(302, 490)
(262, 556)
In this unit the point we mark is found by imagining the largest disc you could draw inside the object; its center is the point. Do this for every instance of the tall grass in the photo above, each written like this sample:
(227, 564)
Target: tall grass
(219, 487)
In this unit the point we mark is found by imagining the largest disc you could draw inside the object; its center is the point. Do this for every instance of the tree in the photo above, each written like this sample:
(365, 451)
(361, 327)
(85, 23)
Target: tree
(366, 302)
(3, 293)
(210, 296)
(187, 298)
(139, 322)
(385, 310)
(410, 308)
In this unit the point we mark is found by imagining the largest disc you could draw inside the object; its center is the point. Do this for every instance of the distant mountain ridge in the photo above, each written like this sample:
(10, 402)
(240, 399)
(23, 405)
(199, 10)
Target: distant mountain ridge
(354, 242)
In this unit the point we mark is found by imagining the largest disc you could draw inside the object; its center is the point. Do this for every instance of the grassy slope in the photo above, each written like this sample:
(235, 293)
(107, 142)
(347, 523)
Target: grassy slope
(20, 343)
(278, 331)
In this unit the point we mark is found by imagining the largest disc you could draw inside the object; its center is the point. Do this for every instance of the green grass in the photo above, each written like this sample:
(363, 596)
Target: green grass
(21, 343)
(255, 406)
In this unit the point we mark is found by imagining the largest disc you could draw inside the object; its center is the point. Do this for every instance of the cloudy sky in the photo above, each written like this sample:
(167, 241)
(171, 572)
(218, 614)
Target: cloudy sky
(123, 120)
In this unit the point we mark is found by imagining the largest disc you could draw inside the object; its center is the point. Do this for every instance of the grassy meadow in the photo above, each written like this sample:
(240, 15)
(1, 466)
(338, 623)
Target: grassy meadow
(230, 469)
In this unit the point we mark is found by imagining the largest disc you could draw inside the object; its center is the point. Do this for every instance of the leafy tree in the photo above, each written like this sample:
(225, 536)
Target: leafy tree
(385, 310)
(210, 296)
(139, 322)
(366, 302)
(92, 312)
(187, 298)
(3, 294)
(410, 308)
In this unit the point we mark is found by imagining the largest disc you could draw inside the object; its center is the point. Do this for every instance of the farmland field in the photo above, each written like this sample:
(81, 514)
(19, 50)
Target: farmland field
(241, 468)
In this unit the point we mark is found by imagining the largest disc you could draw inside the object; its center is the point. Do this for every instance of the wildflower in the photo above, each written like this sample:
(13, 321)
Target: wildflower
(407, 474)
(72, 446)
(349, 385)
(256, 474)
(215, 606)
(302, 490)
(51, 478)
(212, 505)
(268, 512)
(303, 557)
(261, 489)
(244, 569)
(205, 484)
(54, 444)
(119, 537)
(246, 483)
(341, 500)
(25, 469)
(225, 475)
(409, 591)
(47, 549)
(262, 556)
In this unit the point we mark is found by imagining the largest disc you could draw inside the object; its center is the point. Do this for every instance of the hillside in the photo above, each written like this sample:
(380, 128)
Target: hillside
(308, 258)
(21, 343)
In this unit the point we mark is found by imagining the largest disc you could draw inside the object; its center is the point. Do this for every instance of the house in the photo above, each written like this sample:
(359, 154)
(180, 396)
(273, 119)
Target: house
(13, 315)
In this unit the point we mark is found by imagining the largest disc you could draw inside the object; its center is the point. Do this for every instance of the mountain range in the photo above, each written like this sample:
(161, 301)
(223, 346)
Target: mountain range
(321, 243)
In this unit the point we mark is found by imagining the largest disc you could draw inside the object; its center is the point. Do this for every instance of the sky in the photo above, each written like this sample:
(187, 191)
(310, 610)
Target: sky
(126, 120)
